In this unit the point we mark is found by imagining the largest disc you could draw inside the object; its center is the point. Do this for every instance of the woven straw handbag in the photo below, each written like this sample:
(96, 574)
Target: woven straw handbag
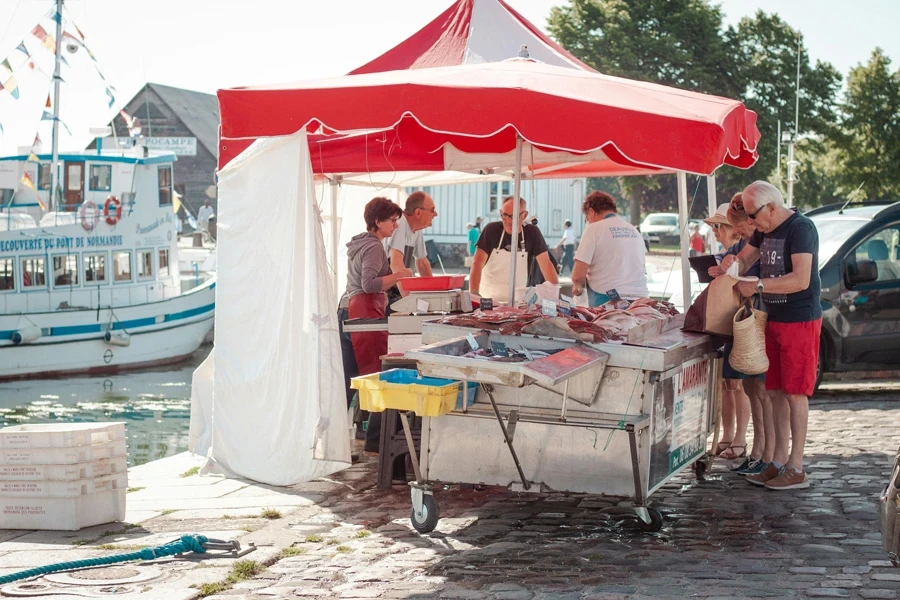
(749, 352)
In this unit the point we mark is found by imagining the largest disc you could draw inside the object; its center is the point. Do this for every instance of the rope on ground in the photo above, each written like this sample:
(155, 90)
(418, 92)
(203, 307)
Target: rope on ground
(187, 543)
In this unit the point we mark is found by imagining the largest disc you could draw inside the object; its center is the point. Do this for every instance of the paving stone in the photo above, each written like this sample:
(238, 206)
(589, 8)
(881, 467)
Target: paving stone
(827, 593)
(877, 593)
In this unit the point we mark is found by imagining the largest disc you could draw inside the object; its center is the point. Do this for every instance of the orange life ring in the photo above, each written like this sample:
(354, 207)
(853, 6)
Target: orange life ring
(114, 218)
(89, 222)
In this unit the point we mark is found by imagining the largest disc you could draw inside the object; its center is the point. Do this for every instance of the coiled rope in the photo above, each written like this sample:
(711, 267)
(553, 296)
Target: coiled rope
(187, 543)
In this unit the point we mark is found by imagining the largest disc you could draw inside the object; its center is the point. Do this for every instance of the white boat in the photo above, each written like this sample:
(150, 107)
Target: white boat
(94, 286)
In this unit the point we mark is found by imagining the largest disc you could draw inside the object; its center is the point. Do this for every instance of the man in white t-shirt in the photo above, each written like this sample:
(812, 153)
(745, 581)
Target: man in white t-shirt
(406, 248)
(611, 254)
(568, 245)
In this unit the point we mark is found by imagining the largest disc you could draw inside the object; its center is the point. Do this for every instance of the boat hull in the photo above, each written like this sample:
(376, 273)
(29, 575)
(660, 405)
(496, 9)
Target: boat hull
(73, 342)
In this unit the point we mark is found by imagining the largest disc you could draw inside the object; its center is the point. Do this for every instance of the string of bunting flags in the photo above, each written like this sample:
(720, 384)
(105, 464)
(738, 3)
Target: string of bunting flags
(10, 85)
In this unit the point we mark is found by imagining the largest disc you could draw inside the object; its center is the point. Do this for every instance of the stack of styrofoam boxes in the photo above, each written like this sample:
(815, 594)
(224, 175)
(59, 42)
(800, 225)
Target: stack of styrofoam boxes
(62, 476)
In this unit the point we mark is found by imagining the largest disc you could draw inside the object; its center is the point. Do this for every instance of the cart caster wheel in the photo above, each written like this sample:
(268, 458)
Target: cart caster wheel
(656, 521)
(700, 467)
(429, 517)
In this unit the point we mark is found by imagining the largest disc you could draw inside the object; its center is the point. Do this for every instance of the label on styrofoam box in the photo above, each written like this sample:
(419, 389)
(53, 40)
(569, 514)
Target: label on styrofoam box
(549, 308)
(472, 342)
(486, 304)
(422, 305)
(499, 349)
(613, 295)
(531, 297)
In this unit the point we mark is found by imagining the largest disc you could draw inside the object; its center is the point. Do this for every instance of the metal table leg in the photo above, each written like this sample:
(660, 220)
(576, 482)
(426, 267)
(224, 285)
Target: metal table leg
(525, 483)
(404, 420)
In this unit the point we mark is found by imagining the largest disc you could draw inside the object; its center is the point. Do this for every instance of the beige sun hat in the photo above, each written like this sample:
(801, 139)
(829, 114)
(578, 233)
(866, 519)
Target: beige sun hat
(720, 216)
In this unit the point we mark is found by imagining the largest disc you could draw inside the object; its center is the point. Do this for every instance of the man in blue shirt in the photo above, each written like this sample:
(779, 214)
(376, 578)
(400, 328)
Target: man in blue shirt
(787, 246)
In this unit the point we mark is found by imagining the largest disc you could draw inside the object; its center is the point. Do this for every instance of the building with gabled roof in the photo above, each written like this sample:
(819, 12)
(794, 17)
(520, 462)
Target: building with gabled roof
(185, 122)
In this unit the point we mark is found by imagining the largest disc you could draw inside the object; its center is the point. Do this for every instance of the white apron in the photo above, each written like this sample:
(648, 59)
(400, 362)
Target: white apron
(495, 275)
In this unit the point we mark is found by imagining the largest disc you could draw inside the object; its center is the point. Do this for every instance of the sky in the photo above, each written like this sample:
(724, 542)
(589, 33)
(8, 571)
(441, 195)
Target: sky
(206, 45)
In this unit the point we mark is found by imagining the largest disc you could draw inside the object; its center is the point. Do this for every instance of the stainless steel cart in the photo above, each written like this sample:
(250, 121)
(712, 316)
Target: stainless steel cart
(591, 418)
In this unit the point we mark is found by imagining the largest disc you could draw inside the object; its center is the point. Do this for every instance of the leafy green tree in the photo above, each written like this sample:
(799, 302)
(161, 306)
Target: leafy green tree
(767, 55)
(869, 137)
(683, 43)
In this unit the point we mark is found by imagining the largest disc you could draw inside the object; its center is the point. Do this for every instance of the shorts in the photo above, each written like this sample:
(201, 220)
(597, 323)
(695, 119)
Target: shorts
(729, 372)
(793, 351)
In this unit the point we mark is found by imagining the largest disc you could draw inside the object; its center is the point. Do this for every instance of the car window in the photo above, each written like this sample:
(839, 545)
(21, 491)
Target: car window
(834, 230)
(882, 247)
(667, 220)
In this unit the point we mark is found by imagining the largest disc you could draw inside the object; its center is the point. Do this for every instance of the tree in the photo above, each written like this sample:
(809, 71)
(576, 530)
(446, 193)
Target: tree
(683, 43)
(767, 57)
(675, 43)
(869, 136)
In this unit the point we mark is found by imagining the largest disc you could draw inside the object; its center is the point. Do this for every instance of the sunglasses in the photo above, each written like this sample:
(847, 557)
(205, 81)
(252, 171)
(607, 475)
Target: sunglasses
(752, 215)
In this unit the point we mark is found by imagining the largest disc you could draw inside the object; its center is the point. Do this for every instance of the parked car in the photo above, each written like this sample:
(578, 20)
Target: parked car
(859, 263)
(655, 225)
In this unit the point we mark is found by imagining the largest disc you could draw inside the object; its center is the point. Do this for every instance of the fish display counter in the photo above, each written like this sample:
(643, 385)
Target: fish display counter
(616, 405)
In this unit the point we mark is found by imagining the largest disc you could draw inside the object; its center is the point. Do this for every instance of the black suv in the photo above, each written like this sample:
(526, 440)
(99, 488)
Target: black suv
(859, 263)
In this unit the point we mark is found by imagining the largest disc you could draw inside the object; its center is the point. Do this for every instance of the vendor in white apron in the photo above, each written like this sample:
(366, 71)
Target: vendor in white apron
(491, 274)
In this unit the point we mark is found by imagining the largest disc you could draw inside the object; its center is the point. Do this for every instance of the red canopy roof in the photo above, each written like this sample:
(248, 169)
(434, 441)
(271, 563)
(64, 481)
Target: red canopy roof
(470, 32)
(479, 108)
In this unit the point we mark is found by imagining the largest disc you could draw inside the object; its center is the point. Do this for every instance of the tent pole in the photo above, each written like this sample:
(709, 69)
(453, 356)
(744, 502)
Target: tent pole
(685, 239)
(713, 205)
(514, 246)
(335, 189)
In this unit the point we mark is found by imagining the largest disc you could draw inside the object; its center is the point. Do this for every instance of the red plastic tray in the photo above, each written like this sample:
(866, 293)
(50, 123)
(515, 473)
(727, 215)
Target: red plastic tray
(433, 284)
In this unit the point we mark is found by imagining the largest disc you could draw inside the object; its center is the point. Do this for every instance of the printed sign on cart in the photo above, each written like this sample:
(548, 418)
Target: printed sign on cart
(680, 406)
(687, 411)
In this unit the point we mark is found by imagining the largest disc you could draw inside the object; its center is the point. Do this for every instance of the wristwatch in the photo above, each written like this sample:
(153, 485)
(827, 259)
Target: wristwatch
(759, 286)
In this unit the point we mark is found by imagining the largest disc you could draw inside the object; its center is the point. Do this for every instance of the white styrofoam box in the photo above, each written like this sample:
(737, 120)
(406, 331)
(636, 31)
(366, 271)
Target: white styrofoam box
(62, 514)
(64, 472)
(63, 456)
(403, 342)
(60, 435)
(64, 489)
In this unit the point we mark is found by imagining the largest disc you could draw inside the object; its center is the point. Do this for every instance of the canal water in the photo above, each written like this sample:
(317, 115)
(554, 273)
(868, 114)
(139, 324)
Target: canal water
(155, 405)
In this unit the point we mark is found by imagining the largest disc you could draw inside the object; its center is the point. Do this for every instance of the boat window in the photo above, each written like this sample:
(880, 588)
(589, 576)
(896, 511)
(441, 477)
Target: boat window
(65, 270)
(101, 178)
(44, 177)
(95, 268)
(145, 264)
(7, 277)
(163, 262)
(165, 186)
(121, 266)
(33, 274)
(6, 196)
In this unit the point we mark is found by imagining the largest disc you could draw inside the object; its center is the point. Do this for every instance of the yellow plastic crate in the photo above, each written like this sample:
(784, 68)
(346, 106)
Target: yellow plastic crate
(406, 390)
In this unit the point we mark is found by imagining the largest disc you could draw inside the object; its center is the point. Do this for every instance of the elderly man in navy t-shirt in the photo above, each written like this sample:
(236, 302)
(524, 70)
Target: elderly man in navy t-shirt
(787, 246)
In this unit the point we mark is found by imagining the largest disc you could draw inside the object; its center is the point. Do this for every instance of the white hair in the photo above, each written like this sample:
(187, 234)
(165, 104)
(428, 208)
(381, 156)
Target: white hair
(762, 193)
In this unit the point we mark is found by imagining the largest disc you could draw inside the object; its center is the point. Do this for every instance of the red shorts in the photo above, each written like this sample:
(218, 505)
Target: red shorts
(793, 351)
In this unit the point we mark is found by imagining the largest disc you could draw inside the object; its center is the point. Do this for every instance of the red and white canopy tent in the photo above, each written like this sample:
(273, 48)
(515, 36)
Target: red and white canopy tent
(544, 120)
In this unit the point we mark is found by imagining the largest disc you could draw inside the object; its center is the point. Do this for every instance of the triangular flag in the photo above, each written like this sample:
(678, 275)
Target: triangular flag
(27, 181)
(112, 99)
(63, 60)
(39, 32)
(37, 145)
(48, 104)
(49, 117)
(5, 65)
(1, 128)
(32, 157)
(12, 87)
(127, 117)
(57, 17)
(78, 30)
(176, 203)
(50, 44)
(31, 65)
(21, 48)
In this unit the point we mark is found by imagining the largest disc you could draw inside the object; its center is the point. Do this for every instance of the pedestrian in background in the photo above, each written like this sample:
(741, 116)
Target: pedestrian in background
(568, 248)
(698, 244)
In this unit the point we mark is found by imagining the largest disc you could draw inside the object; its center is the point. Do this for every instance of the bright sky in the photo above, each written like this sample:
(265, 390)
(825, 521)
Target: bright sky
(210, 44)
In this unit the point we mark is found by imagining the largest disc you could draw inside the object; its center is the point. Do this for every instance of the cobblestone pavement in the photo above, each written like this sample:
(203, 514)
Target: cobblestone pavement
(722, 538)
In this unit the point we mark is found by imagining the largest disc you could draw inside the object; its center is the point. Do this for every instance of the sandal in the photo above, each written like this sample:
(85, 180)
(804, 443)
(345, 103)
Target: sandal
(721, 447)
(731, 454)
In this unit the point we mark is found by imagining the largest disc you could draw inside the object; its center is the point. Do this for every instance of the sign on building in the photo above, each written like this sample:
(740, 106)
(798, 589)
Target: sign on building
(180, 146)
